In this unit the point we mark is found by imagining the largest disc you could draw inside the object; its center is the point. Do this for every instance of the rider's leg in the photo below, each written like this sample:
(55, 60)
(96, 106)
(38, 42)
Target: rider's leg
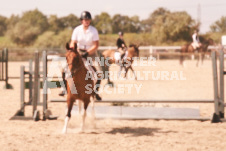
(97, 68)
(122, 53)
(63, 88)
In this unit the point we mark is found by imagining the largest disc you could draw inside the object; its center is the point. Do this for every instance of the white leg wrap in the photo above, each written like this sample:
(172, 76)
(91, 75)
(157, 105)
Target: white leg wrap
(65, 124)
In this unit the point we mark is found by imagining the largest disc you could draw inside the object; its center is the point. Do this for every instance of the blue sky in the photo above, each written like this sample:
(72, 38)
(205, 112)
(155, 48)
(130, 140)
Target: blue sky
(209, 12)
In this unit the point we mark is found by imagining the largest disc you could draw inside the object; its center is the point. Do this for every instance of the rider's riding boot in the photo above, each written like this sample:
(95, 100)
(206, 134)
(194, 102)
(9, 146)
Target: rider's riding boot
(122, 55)
(96, 90)
(64, 90)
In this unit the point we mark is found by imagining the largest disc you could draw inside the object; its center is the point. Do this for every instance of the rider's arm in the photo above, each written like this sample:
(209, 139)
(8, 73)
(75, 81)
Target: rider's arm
(93, 49)
(72, 43)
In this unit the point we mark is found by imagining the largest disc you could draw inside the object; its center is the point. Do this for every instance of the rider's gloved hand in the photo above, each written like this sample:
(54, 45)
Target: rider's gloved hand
(85, 55)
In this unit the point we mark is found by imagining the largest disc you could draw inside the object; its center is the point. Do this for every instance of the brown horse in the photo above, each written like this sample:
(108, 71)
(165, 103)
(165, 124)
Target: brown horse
(126, 63)
(188, 48)
(78, 87)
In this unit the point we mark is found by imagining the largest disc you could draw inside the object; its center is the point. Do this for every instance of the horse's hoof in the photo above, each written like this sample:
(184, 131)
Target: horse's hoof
(81, 130)
(111, 84)
(98, 98)
(61, 94)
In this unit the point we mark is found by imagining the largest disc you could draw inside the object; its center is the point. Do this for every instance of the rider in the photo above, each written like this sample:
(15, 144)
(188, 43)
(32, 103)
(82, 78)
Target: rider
(87, 38)
(121, 44)
(195, 37)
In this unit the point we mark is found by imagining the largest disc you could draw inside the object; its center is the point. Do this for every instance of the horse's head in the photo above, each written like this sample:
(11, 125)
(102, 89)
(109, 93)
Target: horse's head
(72, 57)
(210, 41)
(134, 50)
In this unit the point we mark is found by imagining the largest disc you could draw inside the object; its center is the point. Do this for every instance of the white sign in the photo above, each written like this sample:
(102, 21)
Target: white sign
(223, 40)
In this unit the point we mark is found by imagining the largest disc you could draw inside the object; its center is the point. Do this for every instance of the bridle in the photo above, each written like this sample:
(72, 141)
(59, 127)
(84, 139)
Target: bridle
(75, 70)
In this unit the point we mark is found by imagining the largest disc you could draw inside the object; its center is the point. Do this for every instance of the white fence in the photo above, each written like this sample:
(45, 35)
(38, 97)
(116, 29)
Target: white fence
(157, 50)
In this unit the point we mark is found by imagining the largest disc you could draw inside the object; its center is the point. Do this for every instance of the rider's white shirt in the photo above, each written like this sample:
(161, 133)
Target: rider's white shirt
(195, 38)
(86, 38)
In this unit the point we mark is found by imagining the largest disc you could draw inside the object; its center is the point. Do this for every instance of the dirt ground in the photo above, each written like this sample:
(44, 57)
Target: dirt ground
(188, 83)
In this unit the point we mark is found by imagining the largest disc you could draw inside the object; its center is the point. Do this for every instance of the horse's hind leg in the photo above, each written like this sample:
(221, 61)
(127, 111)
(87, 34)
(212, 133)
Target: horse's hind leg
(70, 102)
(202, 57)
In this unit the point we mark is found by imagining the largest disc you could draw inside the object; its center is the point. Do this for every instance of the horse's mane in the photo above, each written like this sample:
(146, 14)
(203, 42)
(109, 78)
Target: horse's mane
(77, 57)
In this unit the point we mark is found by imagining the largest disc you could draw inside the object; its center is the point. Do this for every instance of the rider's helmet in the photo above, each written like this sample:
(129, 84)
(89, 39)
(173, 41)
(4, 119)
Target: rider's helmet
(85, 15)
(196, 31)
(120, 33)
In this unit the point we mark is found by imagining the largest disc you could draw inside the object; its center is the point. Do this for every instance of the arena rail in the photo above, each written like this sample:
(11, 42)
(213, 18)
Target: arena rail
(4, 68)
(219, 103)
(218, 99)
(214, 101)
(34, 84)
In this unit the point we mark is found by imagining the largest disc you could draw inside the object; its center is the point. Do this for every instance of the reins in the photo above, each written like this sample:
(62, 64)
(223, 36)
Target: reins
(75, 70)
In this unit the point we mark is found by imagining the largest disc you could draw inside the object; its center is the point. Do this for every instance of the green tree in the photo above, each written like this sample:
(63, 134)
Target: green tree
(153, 17)
(123, 23)
(36, 19)
(55, 24)
(103, 23)
(46, 40)
(178, 26)
(12, 21)
(24, 34)
(3, 26)
(70, 21)
(27, 29)
(167, 26)
(219, 25)
(135, 24)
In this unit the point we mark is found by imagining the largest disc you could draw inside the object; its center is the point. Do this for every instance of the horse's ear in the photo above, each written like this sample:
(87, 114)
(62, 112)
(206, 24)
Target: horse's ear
(67, 46)
(75, 46)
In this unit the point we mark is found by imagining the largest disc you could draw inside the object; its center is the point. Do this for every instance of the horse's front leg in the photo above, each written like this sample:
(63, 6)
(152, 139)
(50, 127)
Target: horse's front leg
(79, 106)
(181, 60)
(110, 83)
(198, 59)
(86, 103)
(70, 102)
(93, 112)
(107, 74)
(126, 71)
(133, 72)
(120, 70)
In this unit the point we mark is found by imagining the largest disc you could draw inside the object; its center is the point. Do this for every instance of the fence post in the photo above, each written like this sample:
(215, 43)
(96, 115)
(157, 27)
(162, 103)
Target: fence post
(6, 68)
(216, 117)
(45, 86)
(221, 108)
(30, 73)
(35, 87)
(22, 91)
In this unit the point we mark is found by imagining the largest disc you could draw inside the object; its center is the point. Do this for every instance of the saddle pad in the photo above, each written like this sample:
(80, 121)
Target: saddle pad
(117, 56)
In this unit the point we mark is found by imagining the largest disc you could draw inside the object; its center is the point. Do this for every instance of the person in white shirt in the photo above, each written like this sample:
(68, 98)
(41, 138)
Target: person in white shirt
(87, 39)
(195, 37)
